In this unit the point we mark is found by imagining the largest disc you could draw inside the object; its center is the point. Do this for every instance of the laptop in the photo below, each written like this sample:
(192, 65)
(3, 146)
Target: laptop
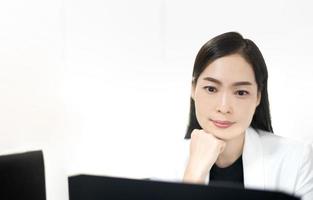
(22, 176)
(89, 187)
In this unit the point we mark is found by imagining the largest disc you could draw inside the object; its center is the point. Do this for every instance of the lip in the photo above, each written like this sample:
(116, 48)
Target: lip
(222, 124)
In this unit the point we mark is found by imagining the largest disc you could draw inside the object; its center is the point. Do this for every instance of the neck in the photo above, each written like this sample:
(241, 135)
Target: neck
(232, 151)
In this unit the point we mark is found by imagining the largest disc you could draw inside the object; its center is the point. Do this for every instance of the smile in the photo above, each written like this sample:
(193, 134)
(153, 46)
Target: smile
(222, 124)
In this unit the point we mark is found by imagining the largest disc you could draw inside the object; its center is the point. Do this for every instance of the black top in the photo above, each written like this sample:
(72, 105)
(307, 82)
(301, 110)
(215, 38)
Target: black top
(231, 175)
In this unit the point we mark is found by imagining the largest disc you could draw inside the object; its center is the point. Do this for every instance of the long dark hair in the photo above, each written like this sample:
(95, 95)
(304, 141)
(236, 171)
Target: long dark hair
(223, 45)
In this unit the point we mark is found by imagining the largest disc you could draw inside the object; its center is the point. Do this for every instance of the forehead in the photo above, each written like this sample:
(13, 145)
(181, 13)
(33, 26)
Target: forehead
(229, 69)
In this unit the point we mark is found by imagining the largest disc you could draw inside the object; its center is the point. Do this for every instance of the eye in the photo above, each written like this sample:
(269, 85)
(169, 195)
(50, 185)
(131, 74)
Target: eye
(210, 89)
(242, 92)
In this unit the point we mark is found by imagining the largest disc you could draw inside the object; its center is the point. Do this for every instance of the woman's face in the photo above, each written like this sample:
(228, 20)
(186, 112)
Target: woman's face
(226, 91)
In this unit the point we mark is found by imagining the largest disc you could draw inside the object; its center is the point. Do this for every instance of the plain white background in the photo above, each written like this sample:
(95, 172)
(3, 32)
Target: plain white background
(103, 87)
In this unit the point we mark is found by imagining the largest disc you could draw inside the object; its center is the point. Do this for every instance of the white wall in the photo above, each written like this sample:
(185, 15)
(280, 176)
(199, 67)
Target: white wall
(32, 111)
(103, 86)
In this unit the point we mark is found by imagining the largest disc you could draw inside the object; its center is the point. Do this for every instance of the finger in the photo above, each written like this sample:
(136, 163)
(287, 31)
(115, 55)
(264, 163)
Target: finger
(222, 147)
(194, 131)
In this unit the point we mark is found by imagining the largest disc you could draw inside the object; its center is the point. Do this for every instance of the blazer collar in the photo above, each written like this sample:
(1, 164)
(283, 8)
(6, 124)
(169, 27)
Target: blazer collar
(253, 160)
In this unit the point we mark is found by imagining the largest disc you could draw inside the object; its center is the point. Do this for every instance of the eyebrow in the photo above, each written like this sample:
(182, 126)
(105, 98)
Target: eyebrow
(220, 83)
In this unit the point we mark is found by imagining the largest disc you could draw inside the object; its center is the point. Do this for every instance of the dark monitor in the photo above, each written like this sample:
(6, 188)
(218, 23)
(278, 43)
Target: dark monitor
(22, 176)
(86, 187)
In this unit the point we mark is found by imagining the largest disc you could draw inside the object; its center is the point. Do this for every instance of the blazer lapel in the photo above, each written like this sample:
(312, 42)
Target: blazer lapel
(253, 160)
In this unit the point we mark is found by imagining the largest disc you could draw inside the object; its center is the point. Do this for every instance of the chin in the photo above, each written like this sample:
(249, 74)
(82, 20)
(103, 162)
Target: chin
(225, 133)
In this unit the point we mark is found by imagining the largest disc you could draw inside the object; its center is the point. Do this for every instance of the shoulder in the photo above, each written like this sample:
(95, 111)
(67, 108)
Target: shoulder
(289, 154)
(279, 151)
(288, 163)
(272, 144)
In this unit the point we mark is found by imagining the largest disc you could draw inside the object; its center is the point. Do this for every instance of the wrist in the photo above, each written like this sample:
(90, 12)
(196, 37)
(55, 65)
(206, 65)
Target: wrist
(194, 175)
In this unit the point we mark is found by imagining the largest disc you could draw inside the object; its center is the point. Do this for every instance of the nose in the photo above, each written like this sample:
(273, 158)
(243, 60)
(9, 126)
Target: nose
(223, 104)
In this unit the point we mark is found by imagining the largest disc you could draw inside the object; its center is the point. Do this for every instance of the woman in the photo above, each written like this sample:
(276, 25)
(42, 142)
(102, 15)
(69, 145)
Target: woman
(230, 131)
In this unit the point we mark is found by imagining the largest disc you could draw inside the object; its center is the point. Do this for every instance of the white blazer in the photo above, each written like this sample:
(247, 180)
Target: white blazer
(270, 162)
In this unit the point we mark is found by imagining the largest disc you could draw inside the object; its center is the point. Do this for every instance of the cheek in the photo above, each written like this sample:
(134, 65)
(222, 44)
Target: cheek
(204, 109)
(245, 113)
(203, 105)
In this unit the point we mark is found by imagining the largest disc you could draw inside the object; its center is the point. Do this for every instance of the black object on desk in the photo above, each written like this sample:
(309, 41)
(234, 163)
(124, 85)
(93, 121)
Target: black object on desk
(86, 187)
(22, 176)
